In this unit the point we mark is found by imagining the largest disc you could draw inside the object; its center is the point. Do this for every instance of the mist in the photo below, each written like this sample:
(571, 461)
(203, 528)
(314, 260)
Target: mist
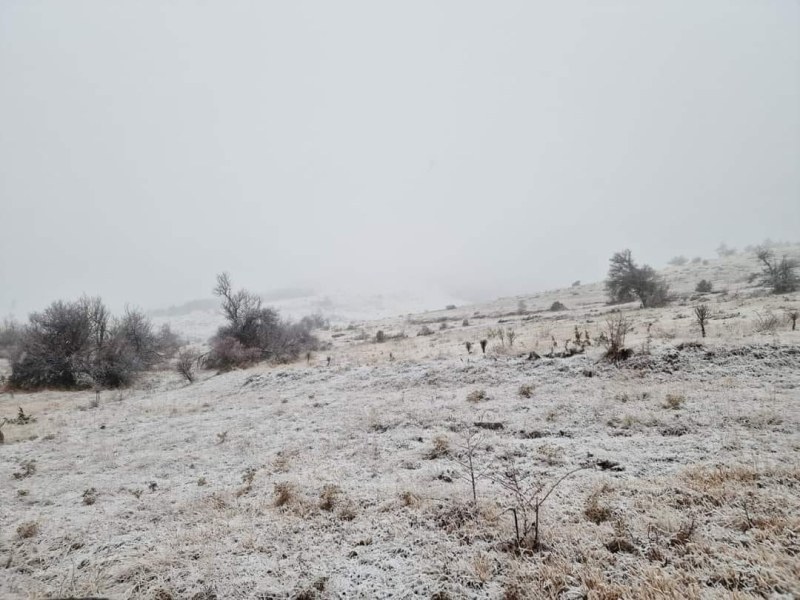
(473, 148)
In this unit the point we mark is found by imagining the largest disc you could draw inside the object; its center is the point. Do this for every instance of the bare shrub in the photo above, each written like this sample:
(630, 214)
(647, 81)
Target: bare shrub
(780, 276)
(380, 337)
(704, 286)
(425, 331)
(557, 306)
(617, 328)
(229, 353)
(187, 359)
(627, 282)
(701, 314)
(511, 335)
(467, 459)
(79, 344)
(766, 322)
(527, 496)
(258, 331)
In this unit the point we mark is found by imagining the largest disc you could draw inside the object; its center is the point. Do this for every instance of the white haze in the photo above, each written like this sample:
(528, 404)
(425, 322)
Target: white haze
(462, 149)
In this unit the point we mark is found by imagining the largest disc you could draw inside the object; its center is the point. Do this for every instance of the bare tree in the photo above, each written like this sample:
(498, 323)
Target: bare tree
(791, 315)
(472, 441)
(702, 314)
(254, 332)
(778, 275)
(627, 281)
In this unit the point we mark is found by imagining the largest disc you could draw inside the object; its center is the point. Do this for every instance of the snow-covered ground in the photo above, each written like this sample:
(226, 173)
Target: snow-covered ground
(350, 479)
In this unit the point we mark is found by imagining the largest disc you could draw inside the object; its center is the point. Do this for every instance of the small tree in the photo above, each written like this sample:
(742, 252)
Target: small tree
(254, 332)
(778, 275)
(704, 286)
(701, 314)
(791, 315)
(627, 282)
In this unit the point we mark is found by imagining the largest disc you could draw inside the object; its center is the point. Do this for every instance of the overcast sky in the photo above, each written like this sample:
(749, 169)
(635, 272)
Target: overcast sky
(479, 147)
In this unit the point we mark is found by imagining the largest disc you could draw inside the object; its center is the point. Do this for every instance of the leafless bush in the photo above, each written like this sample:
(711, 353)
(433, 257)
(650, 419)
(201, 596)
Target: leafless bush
(425, 330)
(254, 332)
(467, 459)
(766, 322)
(702, 314)
(527, 497)
(557, 306)
(511, 335)
(380, 337)
(79, 344)
(617, 328)
(187, 359)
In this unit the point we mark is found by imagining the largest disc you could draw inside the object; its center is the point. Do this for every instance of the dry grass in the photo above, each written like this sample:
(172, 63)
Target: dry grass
(696, 501)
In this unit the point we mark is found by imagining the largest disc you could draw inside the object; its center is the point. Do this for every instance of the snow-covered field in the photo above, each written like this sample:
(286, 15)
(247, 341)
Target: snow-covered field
(350, 479)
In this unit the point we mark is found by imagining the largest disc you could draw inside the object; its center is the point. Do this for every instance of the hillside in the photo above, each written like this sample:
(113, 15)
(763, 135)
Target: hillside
(349, 477)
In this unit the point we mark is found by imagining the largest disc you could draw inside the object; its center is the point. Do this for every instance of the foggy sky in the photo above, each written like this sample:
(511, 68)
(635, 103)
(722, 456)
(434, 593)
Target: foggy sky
(480, 147)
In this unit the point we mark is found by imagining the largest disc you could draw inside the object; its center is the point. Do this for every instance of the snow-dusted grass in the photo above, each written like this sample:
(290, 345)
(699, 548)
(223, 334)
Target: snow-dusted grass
(348, 480)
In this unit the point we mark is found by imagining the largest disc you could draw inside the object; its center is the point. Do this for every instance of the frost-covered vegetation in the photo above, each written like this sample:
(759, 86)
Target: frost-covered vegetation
(391, 468)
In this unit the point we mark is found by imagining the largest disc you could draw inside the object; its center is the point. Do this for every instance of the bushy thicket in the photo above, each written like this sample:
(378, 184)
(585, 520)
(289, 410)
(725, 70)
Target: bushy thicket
(627, 281)
(254, 332)
(80, 344)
